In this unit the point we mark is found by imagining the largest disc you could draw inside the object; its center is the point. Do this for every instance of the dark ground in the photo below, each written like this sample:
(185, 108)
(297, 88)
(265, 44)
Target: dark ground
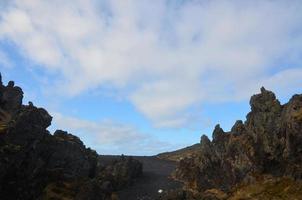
(155, 177)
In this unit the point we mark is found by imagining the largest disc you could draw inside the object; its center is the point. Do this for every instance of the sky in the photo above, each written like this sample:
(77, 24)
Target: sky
(141, 77)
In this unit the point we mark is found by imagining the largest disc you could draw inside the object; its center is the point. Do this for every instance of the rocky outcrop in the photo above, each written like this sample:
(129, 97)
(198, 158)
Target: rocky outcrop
(268, 142)
(35, 164)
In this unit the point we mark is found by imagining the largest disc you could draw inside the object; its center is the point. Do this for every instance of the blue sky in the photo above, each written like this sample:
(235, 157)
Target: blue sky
(141, 77)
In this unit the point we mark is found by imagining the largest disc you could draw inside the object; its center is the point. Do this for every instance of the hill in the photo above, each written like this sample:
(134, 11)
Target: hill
(180, 154)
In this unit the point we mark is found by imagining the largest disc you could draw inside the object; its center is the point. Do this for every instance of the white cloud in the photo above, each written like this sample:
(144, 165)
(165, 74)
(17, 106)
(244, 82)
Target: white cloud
(109, 137)
(161, 100)
(168, 56)
(286, 82)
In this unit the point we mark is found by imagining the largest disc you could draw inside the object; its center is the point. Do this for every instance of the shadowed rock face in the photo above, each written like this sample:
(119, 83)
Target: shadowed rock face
(268, 142)
(37, 165)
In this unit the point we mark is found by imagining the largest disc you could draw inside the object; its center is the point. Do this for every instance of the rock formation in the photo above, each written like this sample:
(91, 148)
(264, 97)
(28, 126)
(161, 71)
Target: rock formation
(267, 144)
(35, 164)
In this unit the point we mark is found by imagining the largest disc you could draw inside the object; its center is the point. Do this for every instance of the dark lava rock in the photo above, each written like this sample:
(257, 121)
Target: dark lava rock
(268, 142)
(35, 164)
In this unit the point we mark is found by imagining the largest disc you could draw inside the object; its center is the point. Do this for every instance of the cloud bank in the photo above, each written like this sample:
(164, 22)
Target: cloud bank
(109, 137)
(165, 56)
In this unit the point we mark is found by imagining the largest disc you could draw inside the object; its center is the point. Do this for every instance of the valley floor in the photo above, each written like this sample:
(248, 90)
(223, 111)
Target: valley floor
(155, 177)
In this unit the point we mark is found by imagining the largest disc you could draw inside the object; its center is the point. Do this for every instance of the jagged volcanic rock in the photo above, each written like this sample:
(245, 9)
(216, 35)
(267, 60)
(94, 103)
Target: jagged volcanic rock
(35, 164)
(268, 142)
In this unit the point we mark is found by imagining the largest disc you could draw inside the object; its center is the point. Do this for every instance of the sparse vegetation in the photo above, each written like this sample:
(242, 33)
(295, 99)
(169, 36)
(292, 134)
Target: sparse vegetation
(270, 189)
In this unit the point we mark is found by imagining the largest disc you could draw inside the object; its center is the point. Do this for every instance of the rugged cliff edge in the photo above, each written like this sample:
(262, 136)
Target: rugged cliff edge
(260, 158)
(35, 164)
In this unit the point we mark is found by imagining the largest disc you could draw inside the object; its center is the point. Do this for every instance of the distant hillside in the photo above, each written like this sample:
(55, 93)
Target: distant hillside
(178, 155)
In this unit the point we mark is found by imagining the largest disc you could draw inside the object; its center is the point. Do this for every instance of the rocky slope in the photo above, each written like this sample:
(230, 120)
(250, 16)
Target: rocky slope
(35, 164)
(256, 156)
